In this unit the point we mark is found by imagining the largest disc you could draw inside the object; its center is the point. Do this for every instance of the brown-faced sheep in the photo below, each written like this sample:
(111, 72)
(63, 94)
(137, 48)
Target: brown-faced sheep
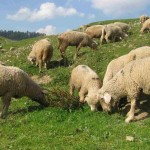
(87, 82)
(129, 82)
(74, 38)
(42, 52)
(15, 83)
(145, 26)
(94, 31)
(117, 64)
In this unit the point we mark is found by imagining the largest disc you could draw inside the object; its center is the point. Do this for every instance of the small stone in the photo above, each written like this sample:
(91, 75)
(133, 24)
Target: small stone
(130, 138)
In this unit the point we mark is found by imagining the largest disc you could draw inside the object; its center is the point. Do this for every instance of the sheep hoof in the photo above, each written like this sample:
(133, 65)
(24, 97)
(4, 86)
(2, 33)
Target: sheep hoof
(128, 114)
(129, 119)
(93, 108)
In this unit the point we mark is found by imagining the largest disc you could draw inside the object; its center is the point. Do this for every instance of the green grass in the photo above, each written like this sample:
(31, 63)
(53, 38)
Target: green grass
(29, 126)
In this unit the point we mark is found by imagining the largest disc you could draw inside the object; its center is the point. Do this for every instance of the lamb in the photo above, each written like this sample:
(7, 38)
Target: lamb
(94, 31)
(42, 52)
(125, 27)
(15, 83)
(87, 82)
(117, 64)
(111, 32)
(143, 18)
(128, 82)
(145, 26)
(74, 38)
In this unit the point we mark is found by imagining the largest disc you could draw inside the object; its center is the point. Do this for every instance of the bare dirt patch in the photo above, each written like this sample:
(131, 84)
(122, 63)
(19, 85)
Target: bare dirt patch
(41, 80)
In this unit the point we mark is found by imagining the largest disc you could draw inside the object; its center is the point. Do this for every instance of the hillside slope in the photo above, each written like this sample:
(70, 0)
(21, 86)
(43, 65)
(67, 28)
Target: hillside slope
(29, 126)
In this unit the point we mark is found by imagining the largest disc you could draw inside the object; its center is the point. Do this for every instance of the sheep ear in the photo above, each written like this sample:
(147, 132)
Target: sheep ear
(107, 98)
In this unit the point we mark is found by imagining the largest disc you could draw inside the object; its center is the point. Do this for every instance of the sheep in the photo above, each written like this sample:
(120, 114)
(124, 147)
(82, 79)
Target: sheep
(87, 82)
(117, 64)
(143, 18)
(128, 82)
(42, 52)
(82, 28)
(94, 31)
(145, 26)
(125, 27)
(111, 32)
(74, 38)
(15, 83)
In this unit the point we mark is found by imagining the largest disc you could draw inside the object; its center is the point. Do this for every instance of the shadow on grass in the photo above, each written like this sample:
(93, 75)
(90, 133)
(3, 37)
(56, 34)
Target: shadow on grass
(142, 110)
(28, 109)
(57, 63)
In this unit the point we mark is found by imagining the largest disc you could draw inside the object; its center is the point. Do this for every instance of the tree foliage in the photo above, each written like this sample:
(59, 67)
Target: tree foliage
(17, 35)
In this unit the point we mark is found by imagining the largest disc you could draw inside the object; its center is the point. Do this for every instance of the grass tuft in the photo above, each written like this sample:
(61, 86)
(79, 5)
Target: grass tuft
(58, 97)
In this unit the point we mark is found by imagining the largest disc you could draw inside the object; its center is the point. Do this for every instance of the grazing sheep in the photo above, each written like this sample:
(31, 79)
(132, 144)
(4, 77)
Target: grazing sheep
(87, 82)
(15, 83)
(117, 64)
(94, 31)
(111, 32)
(129, 82)
(125, 27)
(82, 28)
(145, 26)
(42, 52)
(143, 18)
(74, 38)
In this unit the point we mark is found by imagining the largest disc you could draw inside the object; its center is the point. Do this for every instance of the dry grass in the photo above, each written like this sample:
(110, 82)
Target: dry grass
(60, 98)
(42, 80)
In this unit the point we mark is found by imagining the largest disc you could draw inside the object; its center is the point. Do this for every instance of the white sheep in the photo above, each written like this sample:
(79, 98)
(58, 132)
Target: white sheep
(94, 31)
(124, 26)
(74, 38)
(145, 26)
(87, 82)
(42, 52)
(15, 83)
(111, 32)
(82, 28)
(117, 64)
(143, 18)
(128, 82)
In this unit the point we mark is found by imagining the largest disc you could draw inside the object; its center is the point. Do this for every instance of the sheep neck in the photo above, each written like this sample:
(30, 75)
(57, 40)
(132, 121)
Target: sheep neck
(116, 88)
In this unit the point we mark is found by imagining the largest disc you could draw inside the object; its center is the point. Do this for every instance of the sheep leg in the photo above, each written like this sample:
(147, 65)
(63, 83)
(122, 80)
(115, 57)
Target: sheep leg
(93, 107)
(37, 63)
(77, 51)
(107, 38)
(101, 39)
(46, 63)
(132, 111)
(40, 65)
(63, 48)
(5, 104)
(82, 93)
(72, 88)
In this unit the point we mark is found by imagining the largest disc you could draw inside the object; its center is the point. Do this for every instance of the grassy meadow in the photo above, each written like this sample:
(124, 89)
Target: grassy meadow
(65, 125)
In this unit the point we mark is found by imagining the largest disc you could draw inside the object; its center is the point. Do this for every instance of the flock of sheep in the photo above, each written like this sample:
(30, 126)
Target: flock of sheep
(126, 76)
